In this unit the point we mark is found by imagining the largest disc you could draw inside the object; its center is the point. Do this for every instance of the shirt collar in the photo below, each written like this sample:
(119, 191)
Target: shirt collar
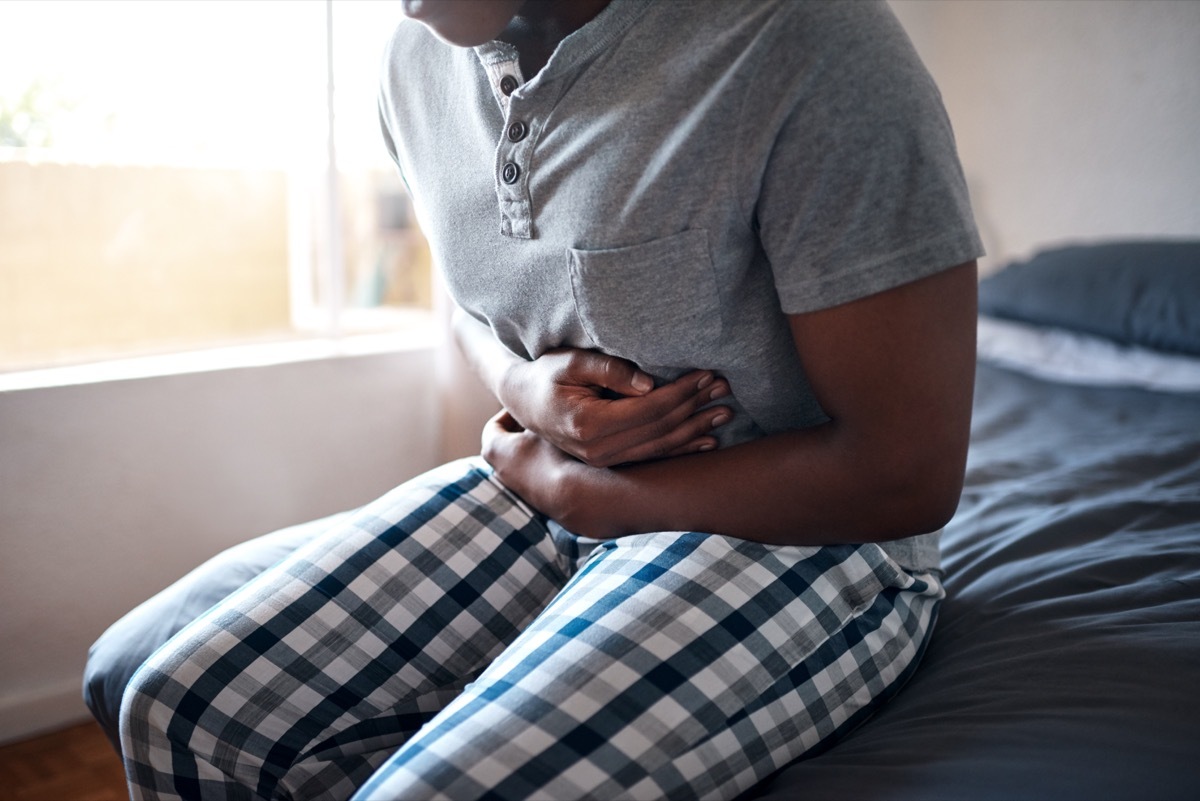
(580, 46)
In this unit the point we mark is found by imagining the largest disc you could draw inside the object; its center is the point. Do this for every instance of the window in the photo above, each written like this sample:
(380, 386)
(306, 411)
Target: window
(184, 174)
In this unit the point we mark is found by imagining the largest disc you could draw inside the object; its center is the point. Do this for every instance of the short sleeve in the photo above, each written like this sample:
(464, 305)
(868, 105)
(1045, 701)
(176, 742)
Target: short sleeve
(862, 190)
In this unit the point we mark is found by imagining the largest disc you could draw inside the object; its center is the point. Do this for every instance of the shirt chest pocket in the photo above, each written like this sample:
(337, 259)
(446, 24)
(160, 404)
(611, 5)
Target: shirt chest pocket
(655, 304)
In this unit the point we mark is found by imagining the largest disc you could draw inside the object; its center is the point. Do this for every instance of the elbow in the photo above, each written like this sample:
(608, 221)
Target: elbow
(918, 495)
(930, 508)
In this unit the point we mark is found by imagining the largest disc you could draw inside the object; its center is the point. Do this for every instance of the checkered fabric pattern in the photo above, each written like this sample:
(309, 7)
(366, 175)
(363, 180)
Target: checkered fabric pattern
(445, 644)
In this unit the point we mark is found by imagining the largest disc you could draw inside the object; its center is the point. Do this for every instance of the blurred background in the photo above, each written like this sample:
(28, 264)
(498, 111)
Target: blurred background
(165, 177)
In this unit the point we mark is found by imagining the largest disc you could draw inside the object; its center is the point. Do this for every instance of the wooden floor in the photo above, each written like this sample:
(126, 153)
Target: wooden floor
(75, 764)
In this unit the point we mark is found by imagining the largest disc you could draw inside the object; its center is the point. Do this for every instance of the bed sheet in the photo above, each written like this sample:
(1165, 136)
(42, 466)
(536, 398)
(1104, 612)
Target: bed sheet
(1066, 657)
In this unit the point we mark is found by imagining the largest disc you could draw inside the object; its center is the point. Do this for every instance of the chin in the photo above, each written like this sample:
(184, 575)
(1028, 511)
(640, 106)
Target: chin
(463, 23)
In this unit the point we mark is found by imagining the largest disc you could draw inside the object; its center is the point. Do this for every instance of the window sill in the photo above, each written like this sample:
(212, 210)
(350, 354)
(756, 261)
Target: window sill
(418, 336)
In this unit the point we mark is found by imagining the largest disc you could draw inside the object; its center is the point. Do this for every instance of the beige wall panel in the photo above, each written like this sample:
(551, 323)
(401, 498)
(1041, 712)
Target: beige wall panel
(124, 257)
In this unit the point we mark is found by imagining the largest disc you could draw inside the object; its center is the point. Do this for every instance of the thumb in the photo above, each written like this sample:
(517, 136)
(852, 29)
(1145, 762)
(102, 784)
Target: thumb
(494, 432)
(618, 375)
(506, 422)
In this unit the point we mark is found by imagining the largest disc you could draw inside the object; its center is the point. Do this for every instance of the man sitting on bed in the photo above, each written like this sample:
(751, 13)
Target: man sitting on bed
(716, 261)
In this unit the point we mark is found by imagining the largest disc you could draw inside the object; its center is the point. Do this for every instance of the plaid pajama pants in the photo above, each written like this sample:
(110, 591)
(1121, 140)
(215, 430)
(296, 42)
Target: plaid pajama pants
(447, 643)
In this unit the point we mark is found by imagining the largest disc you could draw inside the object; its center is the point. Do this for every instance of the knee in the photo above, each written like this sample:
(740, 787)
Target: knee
(105, 676)
(151, 698)
(120, 651)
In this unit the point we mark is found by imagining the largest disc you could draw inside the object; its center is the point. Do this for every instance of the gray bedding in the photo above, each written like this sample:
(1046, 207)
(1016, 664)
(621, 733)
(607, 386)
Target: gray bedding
(1066, 659)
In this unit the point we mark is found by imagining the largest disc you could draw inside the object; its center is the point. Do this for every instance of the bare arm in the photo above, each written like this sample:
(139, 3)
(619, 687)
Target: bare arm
(895, 373)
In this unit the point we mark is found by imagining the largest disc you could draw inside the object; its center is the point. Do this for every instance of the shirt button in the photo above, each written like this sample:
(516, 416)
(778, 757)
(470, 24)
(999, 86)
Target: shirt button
(510, 173)
(508, 85)
(517, 131)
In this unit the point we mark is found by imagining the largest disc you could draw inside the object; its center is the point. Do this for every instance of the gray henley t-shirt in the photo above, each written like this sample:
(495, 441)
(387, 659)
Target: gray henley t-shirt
(679, 177)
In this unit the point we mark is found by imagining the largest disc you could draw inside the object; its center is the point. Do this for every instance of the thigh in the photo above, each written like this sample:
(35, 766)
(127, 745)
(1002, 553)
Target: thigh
(674, 665)
(344, 648)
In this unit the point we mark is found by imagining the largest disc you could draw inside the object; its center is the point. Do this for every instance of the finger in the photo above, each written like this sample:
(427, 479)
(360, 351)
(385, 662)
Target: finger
(507, 422)
(652, 442)
(592, 368)
(494, 430)
(649, 427)
(599, 426)
(664, 408)
(503, 421)
(700, 445)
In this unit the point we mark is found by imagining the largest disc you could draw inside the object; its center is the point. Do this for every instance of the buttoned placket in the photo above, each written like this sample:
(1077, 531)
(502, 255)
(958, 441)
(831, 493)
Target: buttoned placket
(525, 109)
(514, 148)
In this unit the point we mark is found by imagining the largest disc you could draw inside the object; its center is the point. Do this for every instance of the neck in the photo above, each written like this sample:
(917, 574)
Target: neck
(541, 24)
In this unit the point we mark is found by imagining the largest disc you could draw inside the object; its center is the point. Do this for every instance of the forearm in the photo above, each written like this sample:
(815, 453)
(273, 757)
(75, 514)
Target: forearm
(801, 487)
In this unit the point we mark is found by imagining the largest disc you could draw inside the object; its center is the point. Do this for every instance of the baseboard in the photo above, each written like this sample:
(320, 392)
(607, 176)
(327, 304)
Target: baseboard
(31, 714)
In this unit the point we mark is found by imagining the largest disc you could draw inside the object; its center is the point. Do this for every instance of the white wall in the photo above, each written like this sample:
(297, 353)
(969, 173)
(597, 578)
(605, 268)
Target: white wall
(109, 491)
(1076, 119)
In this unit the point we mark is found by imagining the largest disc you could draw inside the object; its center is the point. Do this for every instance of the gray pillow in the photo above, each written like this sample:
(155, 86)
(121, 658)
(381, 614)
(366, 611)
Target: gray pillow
(1143, 293)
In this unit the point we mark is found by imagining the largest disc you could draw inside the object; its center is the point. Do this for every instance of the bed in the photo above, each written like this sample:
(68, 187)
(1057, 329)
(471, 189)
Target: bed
(1066, 658)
